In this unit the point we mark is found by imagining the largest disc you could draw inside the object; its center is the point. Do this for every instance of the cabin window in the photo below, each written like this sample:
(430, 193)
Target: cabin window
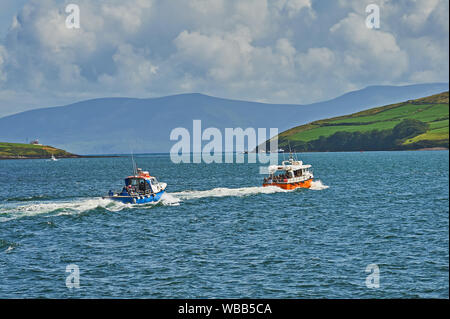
(280, 176)
(133, 181)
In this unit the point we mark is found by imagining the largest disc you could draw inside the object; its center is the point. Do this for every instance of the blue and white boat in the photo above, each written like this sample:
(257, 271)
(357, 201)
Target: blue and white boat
(140, 188)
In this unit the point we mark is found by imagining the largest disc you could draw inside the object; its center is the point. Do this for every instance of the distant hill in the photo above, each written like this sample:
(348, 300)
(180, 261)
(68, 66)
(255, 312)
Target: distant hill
(122, 125)
(21, 151)
(413, 124)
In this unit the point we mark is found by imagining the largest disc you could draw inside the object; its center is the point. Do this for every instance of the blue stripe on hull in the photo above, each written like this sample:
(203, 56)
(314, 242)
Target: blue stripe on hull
(143, 200)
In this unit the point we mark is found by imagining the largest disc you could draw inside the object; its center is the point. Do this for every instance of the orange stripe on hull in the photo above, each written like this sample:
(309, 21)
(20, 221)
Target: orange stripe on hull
(288, 186)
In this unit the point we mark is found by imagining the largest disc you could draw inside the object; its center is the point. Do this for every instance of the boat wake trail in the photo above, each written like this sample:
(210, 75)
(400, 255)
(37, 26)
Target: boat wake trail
(223, 192)
(243, 191)
(318, 185)
(169, 200)
(11, 211)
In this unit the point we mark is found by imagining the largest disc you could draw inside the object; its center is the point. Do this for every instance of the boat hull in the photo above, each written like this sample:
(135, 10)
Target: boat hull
(154, 198)
(289, 186)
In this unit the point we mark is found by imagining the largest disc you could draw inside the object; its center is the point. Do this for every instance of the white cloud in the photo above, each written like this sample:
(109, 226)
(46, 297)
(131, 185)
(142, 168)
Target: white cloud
(430, 57)
(425, 76)
(3, 56)
(317, 60)
(420, 13)
(439, 16)
(376, 51)
(293, 7)
(253, 15)
(221, 58)
(70, 74)
(134, 69)
(207, 6)
(129, 14)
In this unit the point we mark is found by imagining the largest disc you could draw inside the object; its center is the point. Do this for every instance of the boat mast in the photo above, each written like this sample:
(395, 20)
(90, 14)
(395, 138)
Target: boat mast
(133, 163)
(291, 155)
(290, 151)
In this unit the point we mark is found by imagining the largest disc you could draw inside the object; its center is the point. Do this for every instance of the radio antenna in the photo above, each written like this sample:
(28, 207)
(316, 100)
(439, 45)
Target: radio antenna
(133, 163)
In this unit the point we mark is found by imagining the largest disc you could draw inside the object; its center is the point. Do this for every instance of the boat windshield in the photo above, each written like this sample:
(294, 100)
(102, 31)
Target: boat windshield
(298, 172)
(138, 184)
(281, 175)
(133, 181)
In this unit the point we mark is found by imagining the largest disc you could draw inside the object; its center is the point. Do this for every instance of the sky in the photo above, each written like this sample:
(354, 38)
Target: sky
(279, 51)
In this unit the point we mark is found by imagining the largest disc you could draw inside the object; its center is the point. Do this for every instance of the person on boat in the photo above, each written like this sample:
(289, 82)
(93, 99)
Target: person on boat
(130, 189)
(142, 186)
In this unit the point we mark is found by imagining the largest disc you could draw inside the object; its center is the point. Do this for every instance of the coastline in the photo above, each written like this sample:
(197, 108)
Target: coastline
(432, 149)
(59, 157)
(159, 153)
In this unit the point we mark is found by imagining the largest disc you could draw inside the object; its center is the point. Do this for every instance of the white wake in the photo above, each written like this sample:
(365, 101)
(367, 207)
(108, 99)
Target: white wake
(76, 206)
(73, 207)
(223, 192)
(243, 191)
(60, 207)
(318, 185)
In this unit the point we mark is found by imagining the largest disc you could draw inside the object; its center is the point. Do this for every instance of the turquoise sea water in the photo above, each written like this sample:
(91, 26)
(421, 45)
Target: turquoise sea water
(217, 233)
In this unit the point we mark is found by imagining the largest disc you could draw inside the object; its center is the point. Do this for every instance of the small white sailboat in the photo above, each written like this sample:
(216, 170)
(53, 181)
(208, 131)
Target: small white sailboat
(53, 158)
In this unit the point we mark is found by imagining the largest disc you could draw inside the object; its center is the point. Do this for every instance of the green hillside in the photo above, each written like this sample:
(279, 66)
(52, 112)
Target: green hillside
(414, 124)
(17, 150)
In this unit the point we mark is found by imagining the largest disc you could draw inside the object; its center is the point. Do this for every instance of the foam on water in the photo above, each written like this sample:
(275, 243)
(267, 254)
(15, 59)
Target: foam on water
(76, 206)
(222, 192)
(60, 207)
(318, 185)
(9, 249)
(12, 211)
(169, 200)
(243, 191)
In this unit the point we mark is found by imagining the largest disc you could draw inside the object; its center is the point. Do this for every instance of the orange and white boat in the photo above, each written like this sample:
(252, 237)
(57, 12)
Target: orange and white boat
(290, 174)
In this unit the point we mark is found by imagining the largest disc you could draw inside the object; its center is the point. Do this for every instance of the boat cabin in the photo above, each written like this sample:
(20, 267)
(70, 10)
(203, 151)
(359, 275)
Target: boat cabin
(140, 183)
(288, 172)
(140, 188)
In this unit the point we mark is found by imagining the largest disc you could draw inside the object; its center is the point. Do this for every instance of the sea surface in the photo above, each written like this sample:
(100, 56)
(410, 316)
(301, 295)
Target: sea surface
(218, 233)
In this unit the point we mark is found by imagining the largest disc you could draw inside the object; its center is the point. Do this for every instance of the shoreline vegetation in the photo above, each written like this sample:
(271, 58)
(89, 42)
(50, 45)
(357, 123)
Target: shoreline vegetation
(9, 151)
(27, 151)
(420, 124)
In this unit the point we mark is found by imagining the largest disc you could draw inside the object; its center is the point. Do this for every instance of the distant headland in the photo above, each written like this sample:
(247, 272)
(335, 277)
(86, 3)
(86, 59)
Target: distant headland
(35, 150)
(419, 124)
(31, 151)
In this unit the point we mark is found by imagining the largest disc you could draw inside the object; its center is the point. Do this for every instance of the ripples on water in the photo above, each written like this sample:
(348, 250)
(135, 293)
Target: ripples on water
(216, 233)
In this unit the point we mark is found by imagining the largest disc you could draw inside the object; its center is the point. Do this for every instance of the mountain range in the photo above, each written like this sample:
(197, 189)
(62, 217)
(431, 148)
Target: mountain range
(124, 125)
